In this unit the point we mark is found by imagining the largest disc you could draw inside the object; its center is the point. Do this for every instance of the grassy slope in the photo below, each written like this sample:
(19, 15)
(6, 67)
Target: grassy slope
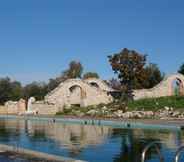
(154, 104)
(177, 102)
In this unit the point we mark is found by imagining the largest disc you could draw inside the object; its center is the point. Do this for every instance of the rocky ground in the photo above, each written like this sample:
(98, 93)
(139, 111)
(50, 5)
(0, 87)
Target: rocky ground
(160, 114)
(106, 112)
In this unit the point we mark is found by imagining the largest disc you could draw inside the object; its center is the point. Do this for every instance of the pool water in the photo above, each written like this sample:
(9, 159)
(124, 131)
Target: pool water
(89, 142)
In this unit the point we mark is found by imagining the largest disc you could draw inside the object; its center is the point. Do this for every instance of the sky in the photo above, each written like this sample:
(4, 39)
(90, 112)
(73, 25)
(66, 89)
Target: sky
(38, 38)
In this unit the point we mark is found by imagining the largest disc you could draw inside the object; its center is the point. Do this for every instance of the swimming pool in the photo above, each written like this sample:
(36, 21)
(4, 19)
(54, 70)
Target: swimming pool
(94, 143)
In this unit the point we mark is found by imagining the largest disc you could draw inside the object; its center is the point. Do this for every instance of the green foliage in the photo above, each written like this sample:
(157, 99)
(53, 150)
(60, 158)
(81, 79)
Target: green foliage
(16, 90)
(157, 103)
(9, 90)
(60, 113)
(153, 76)
(13, 90)
(74, 71)
(90, 75)
(35, 89)
(181, 69)
(129, 65)
(53, 83)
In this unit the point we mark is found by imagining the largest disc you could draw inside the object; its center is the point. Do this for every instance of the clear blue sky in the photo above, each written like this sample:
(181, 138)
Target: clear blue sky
(38, 38)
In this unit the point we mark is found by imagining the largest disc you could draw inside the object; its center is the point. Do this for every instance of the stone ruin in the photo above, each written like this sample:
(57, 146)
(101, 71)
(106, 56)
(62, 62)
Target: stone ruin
(88, 92)
(75, 92)
(167, 87)
(14, 107)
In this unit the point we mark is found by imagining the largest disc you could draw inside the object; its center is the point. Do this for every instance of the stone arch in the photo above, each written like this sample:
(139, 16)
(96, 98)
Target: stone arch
(94, 84)
(76, 94)
(177, 87)
(98, 83)
(164, 88)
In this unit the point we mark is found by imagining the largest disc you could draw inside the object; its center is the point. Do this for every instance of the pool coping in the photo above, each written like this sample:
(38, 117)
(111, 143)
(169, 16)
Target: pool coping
(115, 123)
(37, 154)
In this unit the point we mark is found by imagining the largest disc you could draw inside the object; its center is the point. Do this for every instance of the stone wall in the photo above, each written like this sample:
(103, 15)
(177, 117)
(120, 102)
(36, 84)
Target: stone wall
(42, 108)
(77, 91)
(164, 88)
(3, 110)
(14, 107)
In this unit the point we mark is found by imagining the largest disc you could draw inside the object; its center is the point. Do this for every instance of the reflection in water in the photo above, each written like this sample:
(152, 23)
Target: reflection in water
(132, 146)
(87, 142)
(72, 136)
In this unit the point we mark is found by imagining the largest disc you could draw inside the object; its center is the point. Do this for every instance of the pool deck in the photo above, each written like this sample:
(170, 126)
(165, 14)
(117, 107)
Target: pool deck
(171, 124)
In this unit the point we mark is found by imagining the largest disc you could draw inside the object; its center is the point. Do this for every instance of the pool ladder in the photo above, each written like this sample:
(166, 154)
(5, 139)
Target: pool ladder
(150, 145)
(161, 158)
(178, 153)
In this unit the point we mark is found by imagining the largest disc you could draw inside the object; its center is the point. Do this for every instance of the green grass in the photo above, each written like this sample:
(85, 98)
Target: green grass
(177, 102)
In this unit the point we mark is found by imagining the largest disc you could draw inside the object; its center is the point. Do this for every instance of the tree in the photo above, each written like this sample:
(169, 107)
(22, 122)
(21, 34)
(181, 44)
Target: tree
(53, 83)
(16, 90)
(153, 76)
(90, 75)
(9, 90)
(74, 71)
(129, 65)
(35, 89)
(181, 69)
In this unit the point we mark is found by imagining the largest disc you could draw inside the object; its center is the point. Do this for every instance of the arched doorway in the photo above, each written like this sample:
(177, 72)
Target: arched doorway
(177, 87)
(76, 95)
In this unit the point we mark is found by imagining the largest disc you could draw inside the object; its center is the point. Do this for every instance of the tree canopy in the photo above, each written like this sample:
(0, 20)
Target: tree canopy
(74, 71)
(129, 65)
(90, 75)
(133, 72)
(153, 76)
(9, 90)
(35, 89)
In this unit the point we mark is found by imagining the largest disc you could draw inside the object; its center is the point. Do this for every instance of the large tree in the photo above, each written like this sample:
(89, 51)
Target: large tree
(129, 65)
(90, 75)
(181, 69)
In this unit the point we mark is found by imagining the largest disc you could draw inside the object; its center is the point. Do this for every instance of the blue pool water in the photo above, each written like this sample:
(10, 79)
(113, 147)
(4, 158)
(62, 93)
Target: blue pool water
(89, 142)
